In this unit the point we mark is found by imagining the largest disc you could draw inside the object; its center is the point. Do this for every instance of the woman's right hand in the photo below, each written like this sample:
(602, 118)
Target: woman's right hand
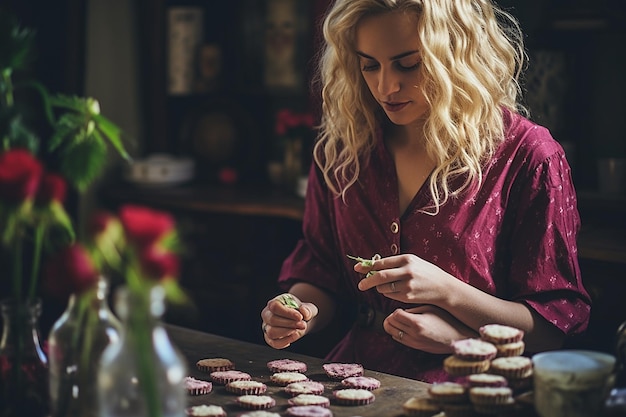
(286, 319)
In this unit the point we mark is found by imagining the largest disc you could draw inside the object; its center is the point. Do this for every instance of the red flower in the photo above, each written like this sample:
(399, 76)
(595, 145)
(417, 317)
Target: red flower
(286, 119)
(51, 188)
(99, 222)
(158, 264)
(145, 226)
(69, 271)
(20, 173)
(228, 175)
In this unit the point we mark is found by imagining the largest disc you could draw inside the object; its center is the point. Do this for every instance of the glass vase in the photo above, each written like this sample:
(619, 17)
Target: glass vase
(142, 376)
(75, 345)
(23, 364)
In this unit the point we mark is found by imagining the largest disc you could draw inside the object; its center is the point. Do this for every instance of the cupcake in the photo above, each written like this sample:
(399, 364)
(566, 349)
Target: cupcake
(224, 377)
(361, 382)
(256, 402)
(514, 367)
(459, 367)
(215, 364)
(308, 411)
(510, 349)
(286, 365)
(309, 399)
(339, 371)
(304, 387)
(499, 334)
(351, 396)
(205, 411)
(474, 350)
(420, 407)
(499, 409)
(195, 386)
(286, 378)
(246, 387)
(486, 380)
(490, 395)
(448, 392)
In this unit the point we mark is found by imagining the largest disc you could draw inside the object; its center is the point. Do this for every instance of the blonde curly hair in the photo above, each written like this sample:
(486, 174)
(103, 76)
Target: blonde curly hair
(472, 57)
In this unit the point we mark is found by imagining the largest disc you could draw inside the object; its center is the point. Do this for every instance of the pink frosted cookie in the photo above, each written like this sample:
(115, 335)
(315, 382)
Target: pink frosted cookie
(499, 334)
(197, 386)
(304, 387)
(351, 396)
(309, 411)
(256, 402)
(286, 365)
(224, 377)
(205, 411)
(286, 378)
(361, 382)
(342, 370)
(246, 387)
(309, 399)
(474, 350)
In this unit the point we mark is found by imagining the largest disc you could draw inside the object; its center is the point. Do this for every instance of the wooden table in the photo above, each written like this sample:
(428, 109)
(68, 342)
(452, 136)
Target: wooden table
(252, 358)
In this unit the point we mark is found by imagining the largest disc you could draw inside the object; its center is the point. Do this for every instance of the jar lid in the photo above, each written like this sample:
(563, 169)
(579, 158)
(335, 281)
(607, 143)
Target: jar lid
(573, 367)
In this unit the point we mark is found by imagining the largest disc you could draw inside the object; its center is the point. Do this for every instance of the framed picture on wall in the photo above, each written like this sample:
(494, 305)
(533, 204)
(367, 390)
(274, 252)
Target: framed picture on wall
(277, 45)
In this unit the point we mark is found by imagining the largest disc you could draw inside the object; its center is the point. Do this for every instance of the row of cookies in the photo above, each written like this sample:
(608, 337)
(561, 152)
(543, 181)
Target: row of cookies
(305, 395)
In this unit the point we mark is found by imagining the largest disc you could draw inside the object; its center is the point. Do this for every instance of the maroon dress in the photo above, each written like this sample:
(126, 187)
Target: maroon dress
(515, 239)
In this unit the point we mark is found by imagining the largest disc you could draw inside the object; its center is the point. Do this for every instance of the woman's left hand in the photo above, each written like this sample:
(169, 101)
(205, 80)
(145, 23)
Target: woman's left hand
(426, 328)
(406, 278)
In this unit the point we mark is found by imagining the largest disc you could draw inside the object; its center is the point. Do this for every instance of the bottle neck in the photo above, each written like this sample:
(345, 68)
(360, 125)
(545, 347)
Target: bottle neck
(20, 324)
(140, 310)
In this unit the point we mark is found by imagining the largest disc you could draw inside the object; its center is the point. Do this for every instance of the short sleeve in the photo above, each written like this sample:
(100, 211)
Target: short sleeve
(314, 259)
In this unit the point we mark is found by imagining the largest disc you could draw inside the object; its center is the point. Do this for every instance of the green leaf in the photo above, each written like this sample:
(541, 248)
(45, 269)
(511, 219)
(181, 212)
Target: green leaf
(174, 293)
(83, 162)
(112, 132)
(16, 44)
(16, 133)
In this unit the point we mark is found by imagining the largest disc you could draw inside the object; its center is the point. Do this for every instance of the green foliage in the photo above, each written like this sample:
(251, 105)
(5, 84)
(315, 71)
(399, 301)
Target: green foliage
(79, 136)
(16, 45)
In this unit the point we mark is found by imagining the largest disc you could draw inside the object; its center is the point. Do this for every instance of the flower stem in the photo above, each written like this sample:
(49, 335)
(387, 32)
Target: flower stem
(17, 271)
(143, 339)
(40, 231)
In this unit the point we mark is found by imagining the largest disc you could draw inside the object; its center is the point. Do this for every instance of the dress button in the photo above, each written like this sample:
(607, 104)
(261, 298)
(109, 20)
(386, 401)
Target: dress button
(394, 248)
(394, 227)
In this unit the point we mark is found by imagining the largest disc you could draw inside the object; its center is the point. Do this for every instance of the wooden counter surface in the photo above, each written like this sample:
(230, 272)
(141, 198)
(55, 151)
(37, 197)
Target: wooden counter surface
(252, 358)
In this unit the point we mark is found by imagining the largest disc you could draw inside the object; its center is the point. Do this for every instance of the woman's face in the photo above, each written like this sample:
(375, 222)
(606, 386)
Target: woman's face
(388, 49)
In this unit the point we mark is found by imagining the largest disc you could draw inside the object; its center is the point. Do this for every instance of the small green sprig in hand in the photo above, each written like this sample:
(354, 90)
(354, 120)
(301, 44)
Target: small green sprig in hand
(289, 301)
(366, 262)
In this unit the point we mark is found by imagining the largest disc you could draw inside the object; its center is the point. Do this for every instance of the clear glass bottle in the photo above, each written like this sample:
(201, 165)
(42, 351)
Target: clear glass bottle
(75, 345)
(143, 375)
(23, 364)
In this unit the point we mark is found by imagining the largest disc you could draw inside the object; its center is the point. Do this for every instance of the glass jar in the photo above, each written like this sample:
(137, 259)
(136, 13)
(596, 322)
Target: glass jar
(75, 345)
(143, 375)
(23, 364)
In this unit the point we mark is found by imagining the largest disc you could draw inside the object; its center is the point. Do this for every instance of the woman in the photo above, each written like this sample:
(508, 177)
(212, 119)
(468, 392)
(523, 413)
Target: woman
(424, 158)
